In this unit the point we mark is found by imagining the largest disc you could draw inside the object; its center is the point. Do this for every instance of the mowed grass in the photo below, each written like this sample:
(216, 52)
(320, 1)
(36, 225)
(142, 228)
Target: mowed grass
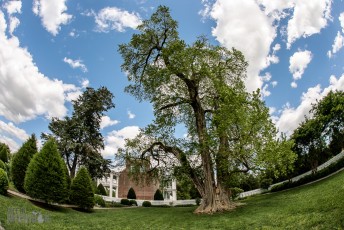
(316, 206)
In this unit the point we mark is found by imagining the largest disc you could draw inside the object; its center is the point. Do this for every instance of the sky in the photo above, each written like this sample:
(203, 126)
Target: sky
(51, 50)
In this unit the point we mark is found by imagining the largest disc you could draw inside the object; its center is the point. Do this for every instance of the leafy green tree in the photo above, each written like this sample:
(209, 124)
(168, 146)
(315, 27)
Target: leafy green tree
(21, 160)
(200, 87)
(2, 165)
(101, 190)
(5, 152)
(158, 195)
(131, 194)
(46, 176)
(81, 193)
(3, 182)
(79, 138)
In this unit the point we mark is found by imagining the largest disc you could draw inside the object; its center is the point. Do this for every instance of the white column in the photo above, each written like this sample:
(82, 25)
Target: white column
(110, 192)
(117, 182)
(174, 189)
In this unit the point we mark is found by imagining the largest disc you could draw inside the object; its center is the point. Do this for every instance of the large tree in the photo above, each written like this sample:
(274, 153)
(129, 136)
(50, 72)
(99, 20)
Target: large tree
(5, 152)
(79, 138)
(199, 87)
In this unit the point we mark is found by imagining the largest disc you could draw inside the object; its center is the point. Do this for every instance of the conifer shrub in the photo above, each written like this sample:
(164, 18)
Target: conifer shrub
(265, 183)
(81, 192)
(20, 162)
(158, 195)
(3, 182)
(131, 194)
(46, 176)
(125, 202)
(4, 152)
(146, 203)
(132, 203)
(101, 190)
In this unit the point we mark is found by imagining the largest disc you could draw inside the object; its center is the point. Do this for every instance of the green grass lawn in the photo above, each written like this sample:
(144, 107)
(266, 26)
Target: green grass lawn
(316, 206)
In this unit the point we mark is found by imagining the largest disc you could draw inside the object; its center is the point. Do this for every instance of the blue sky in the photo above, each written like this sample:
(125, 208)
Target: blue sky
(50, 50)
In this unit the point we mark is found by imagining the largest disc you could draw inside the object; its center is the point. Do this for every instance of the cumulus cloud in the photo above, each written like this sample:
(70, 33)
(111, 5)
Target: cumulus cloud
(25, 92)
(291, 117)
(338, 43)
(131, 115)
(13, 7)
(341, 20)
(116, 139)
(113, 18)
(298, 62)
(309, 18)
(106, 122)
(52, 14)
(75, 64)
(9, 133)
(242, 24)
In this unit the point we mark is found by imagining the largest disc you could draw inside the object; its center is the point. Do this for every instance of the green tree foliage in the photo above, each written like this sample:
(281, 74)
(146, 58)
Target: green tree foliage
(21, 160)
(46, 176)
(200, 87)
(5, 152)
(158, 195)
(101, 190)
(3, 182)
(81, 193)
(79, 138)
(2, 165)
(321, 136)
(131, 194)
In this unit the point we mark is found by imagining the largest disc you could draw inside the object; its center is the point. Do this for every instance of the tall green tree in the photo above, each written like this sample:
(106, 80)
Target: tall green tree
(5, 152)
(21, 160)
(200, 87)
(79, 138)
(46, 177)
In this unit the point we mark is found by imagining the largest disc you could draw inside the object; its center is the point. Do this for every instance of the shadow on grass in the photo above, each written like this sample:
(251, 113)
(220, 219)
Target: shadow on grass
(48, 207)
(84, 210)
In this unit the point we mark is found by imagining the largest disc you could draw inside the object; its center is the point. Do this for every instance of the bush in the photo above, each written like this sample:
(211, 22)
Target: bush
(265, 183)
(99, 200)
(125, 202)
(81, 192)
(3, 182)
(2, 165)
(131, 194)
(158, 195)
(198, 201)
(101, 190)
(20, 162)
(46, 176)
(146, 203)
(113, 204)
(235, 192)
(132, 202)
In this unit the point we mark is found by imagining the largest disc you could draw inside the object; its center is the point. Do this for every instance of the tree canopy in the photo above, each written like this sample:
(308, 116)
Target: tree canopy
(199, 87)
(79, 138)
(5, 152)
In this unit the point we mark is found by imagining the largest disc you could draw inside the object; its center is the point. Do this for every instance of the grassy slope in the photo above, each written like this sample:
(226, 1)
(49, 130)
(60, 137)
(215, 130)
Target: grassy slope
(316, 206)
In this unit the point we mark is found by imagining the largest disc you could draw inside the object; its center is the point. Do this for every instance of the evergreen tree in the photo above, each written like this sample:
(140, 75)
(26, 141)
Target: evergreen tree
(46, 176)
(81, 193)
(131, 194)
(21, 161)
(4, 152)
(101, 190)
(3, 182)
(2, 165)
(158, 195)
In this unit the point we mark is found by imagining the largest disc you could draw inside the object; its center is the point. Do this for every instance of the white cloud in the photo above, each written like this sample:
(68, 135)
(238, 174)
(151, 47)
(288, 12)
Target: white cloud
(293, 84)
(116, 139)
(241, 24)
(25, 92)
(274, 84)
(299, 62)
(341, 20)
(106, 122)
(52, 14)
(9, 132)
(265, 92)
(13, 7)
(131, 115)
(309, 18)
(113, 18)
(290, 118)
(75, 64)
(338, 43)
(85, 83)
